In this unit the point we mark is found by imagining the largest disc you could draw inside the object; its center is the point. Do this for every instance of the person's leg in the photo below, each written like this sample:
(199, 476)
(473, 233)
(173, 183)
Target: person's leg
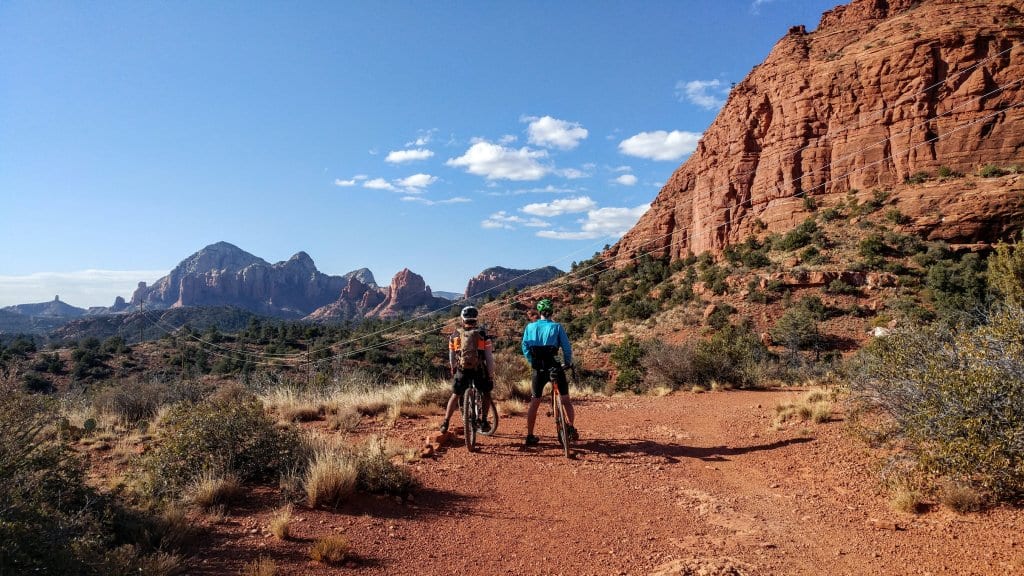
(563, 390)
(536, 391)
(453, 402)
(531, 415)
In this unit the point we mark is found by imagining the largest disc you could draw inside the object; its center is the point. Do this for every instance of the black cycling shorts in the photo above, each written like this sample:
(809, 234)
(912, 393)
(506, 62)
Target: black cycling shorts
(463, 380)
(541, 377)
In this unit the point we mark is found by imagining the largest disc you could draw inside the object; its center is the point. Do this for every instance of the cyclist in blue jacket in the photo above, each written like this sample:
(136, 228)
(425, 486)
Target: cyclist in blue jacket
(541, 341)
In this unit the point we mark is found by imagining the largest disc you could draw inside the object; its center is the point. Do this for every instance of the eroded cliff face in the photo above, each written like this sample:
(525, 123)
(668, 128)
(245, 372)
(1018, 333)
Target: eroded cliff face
(223, 274)
(881, 91)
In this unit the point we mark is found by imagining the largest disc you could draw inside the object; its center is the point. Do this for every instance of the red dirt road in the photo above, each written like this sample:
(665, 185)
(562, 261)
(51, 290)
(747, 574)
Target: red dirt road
(684, 484)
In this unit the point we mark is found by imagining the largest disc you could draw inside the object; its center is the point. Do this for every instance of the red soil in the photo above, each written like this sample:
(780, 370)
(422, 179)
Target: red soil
(684, 484)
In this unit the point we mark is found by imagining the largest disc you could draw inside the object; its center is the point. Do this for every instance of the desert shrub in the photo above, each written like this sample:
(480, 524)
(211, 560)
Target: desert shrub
(830, 214)
(626, 357)
(797, 329)
(796, 238)
(228, 432)
(732, 356)
(991, 171)
(714, 277)
(947, 172)
(45, 508)
(376, 473)
(958, 289)
(36, 382)
(917, 178)
(1006, 273)
(953, 398)
(839, 286)
(896, 217)
(811, 255)
(750, 253)
(89, 361)
(211, 489)
(50, 363)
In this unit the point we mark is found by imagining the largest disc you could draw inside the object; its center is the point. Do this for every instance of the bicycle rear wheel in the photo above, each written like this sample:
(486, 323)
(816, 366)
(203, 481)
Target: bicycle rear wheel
(562, 427)
(492, 411)
(469, 412)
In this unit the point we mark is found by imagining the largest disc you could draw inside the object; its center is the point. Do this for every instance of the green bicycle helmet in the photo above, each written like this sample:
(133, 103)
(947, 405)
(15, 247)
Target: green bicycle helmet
(545, 306)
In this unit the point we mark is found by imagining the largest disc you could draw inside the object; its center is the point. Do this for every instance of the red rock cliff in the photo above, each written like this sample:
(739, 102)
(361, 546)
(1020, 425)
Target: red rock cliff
(880, 91)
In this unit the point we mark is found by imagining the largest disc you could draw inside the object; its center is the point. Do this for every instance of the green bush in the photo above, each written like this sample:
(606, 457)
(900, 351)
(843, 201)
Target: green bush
(229, 432)
(44, 508)
(954, 398)
(798, 237)
(991, 171)
(379, 475)
(626, 357)
(958, 289)
(734, 355)
(1006, 273)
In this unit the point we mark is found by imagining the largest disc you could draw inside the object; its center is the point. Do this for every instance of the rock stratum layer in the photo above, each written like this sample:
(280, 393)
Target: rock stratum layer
(881, 91)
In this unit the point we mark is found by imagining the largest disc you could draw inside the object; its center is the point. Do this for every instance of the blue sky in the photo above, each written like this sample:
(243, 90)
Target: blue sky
(445, 137)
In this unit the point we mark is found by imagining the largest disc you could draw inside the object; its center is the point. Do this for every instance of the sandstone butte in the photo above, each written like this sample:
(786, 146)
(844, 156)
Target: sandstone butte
(498, 279)
(880, 91)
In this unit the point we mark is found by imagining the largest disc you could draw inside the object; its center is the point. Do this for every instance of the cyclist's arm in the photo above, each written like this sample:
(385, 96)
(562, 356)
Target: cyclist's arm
(489, 357)
(563, 341)
(526, 348)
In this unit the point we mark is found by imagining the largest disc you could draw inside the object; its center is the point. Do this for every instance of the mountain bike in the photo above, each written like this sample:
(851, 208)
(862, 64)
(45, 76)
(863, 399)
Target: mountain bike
(558, 409)
(472, 415)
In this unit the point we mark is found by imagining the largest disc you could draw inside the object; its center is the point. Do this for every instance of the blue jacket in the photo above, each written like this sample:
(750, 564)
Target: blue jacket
(544, 332)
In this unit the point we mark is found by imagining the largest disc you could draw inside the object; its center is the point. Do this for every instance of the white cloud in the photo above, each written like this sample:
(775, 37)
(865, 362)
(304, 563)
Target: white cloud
(601, 223)
(399, 156)
(423, 139)
(426, 202)
(553, 133)
(560, 206)
(626, 180)
(708, 94)
(417, 181)
(378, 184)
(507, 139)
(755, 7)
(622, 169)
(660, 145)
(508, 221)
(343, 183)
(572, 174)
(497, 162)
(82, 288)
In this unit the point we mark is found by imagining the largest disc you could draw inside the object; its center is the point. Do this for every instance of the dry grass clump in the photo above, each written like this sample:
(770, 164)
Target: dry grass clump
(378, 474)
(332, 549)
(212, 489)
(280, 523)
(259, 567)
(815, 406)
(330, 478)
(346, 419)
(907, 499)
(512, 407)
(961, 498)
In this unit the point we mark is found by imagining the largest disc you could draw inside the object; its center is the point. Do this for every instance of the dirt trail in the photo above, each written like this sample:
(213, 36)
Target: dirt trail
(684, 484)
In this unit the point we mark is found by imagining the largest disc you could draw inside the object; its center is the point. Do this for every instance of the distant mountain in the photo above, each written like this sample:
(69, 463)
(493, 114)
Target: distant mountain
(407, 294)
(447, 295)
(494, 281)
(52, 309)
(17, 323)
(224, 275)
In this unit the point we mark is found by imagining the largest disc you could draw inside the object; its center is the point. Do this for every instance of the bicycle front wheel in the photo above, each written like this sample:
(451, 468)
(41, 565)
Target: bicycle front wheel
(561, 425)
(469, 414)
